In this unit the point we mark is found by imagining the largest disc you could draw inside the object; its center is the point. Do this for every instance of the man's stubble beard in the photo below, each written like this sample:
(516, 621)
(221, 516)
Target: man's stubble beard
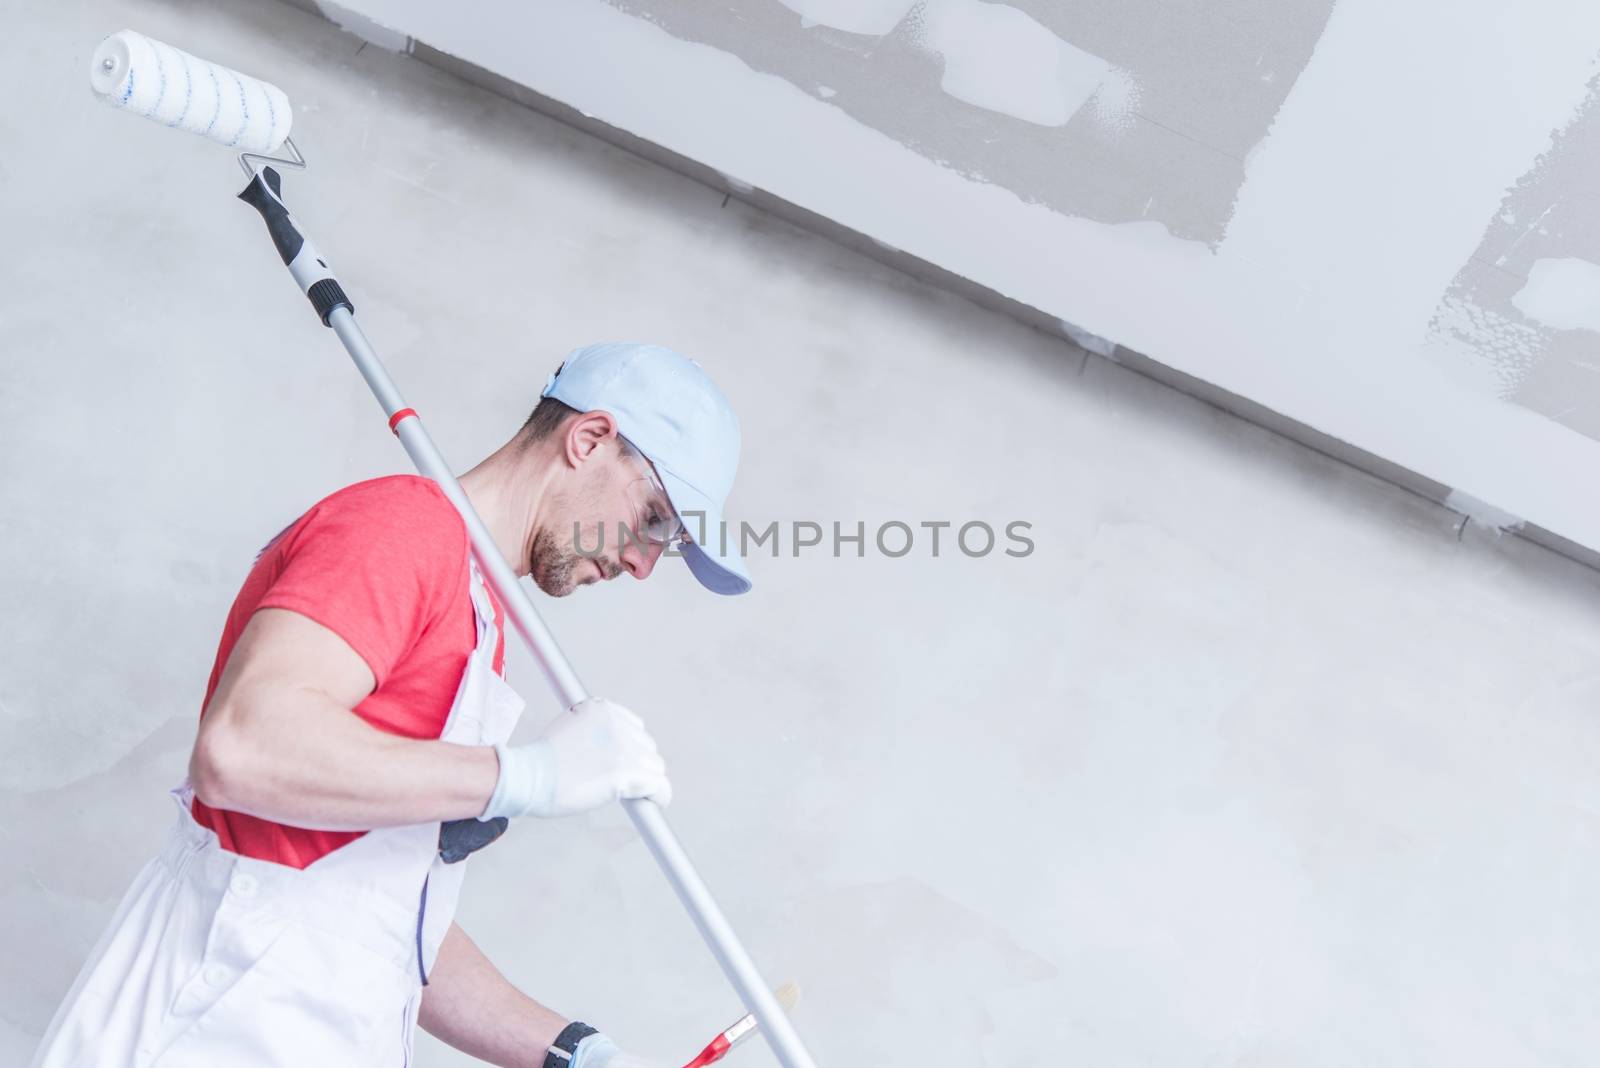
(553, 565)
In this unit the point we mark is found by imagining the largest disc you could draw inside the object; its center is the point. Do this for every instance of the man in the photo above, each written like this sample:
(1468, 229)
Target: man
(301, 913)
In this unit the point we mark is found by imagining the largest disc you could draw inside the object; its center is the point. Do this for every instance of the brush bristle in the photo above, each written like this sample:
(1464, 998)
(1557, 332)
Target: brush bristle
(788, 994)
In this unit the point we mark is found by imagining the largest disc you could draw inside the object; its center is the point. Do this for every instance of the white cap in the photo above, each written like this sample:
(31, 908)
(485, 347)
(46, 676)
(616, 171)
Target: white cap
(668, 407)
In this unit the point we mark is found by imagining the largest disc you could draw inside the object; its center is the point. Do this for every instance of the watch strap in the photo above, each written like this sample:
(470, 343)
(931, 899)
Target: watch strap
(566, 1044)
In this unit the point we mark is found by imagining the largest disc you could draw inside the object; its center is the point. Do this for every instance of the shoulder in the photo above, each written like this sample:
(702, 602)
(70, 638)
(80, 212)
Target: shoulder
(397, 493)
(378, 563)
(408, 503)
(397, 512)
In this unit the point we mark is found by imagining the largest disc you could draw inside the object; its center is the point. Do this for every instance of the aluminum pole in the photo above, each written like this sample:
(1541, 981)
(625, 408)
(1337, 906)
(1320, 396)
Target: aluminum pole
(647, 816)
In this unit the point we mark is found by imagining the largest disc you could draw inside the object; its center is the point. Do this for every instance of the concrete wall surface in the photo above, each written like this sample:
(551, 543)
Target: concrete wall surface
(1254, 760)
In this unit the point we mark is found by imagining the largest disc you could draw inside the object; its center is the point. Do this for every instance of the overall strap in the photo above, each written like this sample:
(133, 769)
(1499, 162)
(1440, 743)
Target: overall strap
(490, 617)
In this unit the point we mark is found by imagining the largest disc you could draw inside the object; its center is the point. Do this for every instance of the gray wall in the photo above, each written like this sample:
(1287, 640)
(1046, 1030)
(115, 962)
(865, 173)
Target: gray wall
(1256, 760)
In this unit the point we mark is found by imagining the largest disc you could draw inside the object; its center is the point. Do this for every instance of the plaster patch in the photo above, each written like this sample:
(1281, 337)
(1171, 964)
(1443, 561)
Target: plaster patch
(1089, 342)
(1115, 104)
(876, 17)
(1562, 293)
(1495, 351)
(999, 58)
(365, 27)
(738, 185)
(1481, 513)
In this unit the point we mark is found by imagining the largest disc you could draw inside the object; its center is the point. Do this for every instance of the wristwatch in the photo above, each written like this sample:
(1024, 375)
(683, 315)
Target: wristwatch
(566, 1044)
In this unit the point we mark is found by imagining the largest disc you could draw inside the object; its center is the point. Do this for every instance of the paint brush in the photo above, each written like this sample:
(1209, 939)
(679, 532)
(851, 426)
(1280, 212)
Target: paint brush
(787, 995)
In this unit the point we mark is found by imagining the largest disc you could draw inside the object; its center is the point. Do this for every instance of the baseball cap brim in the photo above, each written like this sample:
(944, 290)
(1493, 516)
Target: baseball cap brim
(718, 571)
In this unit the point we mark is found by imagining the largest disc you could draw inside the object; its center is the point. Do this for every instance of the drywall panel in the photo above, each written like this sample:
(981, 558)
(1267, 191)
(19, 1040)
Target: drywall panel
(1314, 293)
(1148, 112)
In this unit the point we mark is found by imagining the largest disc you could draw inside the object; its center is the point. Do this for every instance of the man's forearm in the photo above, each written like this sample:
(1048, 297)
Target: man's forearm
(302, 759)
(471, 1006)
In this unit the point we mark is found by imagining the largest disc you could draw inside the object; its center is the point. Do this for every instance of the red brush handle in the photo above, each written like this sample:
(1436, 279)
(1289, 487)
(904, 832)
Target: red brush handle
(711, 1054)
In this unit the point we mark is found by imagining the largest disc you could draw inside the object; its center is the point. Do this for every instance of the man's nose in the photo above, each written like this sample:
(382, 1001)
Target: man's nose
(640, 560)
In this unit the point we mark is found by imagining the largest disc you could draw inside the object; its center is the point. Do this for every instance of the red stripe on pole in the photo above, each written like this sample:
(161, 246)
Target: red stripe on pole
(394, 420)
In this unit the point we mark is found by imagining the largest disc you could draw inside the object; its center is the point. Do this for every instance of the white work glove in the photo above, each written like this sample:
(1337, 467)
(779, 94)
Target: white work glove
(594, 753)
(598, 1051)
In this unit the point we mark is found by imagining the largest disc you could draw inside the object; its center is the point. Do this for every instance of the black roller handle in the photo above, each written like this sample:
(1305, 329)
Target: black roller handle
(306, 265)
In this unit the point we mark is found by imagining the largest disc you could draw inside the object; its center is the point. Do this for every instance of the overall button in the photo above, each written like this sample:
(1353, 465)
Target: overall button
(243, 884)
(216, 975)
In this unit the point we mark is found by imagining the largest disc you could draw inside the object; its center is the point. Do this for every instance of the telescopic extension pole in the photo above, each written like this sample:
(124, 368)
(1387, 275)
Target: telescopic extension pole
(156, 81)
(311, 273)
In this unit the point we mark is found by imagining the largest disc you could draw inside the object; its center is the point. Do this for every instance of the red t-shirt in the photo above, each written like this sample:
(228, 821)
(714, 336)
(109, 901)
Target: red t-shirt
(382, 564)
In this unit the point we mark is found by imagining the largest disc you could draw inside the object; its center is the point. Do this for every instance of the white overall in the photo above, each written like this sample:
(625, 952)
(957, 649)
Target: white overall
(216, 959)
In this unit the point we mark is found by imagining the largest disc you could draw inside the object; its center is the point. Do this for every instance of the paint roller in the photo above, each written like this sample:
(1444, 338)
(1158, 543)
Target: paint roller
(152, 79)
(159, 82)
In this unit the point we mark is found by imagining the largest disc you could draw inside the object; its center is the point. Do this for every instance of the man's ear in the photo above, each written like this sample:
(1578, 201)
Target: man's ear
(588, 433)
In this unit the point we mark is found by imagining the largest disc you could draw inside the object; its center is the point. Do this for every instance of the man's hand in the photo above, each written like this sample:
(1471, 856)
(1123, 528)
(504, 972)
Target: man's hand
(596, 753)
